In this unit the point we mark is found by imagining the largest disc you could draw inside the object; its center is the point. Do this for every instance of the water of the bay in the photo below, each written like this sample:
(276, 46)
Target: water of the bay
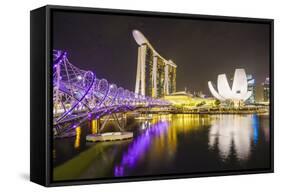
(168, 144)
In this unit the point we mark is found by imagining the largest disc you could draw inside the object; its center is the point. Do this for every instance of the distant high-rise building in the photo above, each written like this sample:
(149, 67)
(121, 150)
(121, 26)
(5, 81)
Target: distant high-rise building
(252, 88)
(266, 90)
(156, 76)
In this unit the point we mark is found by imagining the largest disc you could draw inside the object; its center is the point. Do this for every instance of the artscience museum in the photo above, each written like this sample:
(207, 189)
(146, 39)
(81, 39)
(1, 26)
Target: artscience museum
(237, 94)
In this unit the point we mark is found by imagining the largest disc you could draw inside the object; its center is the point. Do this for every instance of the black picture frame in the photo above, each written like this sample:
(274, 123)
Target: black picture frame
(41, 93)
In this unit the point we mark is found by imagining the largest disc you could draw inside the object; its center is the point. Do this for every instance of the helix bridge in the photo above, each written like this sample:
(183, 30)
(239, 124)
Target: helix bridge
(79, 95)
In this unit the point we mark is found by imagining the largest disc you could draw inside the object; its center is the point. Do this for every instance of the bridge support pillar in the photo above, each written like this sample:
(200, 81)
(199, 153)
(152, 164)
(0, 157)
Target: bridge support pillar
(95, 126)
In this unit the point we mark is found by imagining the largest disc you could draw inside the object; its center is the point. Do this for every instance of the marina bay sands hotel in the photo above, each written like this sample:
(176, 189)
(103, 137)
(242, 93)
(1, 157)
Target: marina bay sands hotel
(156, 76)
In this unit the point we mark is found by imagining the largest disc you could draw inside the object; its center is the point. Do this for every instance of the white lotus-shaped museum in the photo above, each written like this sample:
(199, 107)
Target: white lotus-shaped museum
(239, 90)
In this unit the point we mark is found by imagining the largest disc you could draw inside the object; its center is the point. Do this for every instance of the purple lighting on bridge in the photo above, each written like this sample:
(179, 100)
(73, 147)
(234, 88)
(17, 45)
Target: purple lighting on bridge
(79, 95)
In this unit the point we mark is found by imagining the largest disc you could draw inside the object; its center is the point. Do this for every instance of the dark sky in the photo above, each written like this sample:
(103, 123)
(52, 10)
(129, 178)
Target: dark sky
(202, 49)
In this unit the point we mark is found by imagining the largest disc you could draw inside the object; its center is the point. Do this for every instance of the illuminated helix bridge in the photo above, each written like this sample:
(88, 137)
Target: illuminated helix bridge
(78, 96)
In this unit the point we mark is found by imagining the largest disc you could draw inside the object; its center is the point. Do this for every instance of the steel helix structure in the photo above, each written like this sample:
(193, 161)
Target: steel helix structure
(79, 95)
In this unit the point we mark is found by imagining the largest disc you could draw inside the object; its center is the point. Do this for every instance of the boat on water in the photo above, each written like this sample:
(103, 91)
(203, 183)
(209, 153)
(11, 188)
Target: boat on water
(109, 136)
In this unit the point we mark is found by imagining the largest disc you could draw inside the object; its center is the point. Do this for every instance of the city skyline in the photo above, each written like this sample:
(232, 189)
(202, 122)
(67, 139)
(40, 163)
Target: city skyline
(207, 45)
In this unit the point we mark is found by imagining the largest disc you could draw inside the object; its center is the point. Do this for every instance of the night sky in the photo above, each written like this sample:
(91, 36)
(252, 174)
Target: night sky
(202, 49)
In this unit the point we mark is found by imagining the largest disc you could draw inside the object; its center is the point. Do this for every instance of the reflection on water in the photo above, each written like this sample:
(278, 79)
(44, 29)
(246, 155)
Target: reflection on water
(166, 144)
(233, 130)
(140, 146)
(77, 137)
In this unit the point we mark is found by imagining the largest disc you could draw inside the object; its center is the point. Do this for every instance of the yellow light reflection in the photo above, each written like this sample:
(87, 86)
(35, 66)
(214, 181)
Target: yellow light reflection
(77, 138)
(178, 124)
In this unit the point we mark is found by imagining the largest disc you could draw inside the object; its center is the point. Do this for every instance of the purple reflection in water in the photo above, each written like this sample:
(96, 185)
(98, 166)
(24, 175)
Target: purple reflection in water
(140, 146)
